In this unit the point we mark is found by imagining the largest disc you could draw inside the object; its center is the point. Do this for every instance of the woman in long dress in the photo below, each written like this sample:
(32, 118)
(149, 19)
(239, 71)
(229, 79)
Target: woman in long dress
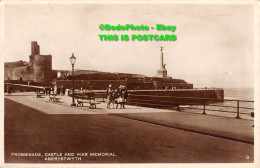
(109, 95)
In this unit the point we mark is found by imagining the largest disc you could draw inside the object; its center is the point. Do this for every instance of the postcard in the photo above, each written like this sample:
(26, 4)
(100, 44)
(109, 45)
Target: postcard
(130, 83)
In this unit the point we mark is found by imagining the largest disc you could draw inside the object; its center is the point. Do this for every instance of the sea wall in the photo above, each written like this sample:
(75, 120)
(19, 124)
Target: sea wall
(168, 98)
(90, 84)
(130, 84)
(198, 93)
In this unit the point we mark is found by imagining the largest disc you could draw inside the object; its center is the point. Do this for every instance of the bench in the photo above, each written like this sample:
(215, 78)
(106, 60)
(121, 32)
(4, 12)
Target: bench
(100, 95)
(86, 99)
(39, 94)
(54, 98)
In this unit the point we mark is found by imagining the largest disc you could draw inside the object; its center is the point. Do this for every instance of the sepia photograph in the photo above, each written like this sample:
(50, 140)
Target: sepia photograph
(93, 83)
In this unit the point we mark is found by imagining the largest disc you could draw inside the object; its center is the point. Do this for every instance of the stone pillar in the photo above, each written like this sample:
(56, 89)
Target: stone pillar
(162, 66)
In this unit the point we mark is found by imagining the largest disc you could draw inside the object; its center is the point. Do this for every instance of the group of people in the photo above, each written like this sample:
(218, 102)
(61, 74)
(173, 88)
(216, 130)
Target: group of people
(116, 96)
(60, 90)
(9, 89)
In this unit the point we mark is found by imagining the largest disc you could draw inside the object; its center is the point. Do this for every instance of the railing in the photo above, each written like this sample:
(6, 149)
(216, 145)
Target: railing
(202, 104)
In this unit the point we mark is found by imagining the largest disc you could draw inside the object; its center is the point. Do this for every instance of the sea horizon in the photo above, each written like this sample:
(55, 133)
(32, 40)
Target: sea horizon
(242, 93)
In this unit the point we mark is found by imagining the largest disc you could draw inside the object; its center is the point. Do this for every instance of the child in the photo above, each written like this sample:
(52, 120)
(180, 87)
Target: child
(114, 97)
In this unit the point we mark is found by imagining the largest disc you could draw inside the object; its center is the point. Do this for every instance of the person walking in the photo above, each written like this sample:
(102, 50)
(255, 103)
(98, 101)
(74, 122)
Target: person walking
(63, 90)
(58, 90)
(109, 94)
(51, 90)
(48, 90)
(55, 90)
(114, 97)
(120, 98)
(124, 96)
(9, 89)
(45, 90)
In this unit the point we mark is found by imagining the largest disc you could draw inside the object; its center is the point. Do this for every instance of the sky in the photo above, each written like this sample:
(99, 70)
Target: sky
(214, 46)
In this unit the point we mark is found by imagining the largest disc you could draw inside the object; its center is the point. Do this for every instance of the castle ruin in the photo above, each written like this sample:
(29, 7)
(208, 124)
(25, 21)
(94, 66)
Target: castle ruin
(38, 69)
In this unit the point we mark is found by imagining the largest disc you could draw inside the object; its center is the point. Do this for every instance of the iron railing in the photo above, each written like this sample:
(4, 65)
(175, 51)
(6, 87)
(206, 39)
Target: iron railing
(191, 103)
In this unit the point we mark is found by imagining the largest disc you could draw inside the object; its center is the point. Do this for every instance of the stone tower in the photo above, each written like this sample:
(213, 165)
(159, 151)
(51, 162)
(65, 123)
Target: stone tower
(41, 64)
(162, 72)
(42, 67)
(35, 50)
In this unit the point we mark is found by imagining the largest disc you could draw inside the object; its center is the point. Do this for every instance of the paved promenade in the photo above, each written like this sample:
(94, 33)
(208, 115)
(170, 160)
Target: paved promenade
(136, 134)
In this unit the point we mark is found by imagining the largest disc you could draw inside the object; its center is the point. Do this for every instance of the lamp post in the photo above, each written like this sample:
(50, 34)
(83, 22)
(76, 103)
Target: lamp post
(73, 61)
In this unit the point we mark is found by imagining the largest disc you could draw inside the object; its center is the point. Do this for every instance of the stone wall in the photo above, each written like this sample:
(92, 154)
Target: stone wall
(17, 73)
(199, 93)
(103, 84)
(168, 98)
(166, 85)
(91, 84)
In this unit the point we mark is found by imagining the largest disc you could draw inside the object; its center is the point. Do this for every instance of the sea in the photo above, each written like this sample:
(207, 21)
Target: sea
(239, 93)
(228, 108)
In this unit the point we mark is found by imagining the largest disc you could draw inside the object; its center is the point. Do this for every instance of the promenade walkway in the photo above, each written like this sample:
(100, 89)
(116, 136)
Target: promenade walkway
(222, 127)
